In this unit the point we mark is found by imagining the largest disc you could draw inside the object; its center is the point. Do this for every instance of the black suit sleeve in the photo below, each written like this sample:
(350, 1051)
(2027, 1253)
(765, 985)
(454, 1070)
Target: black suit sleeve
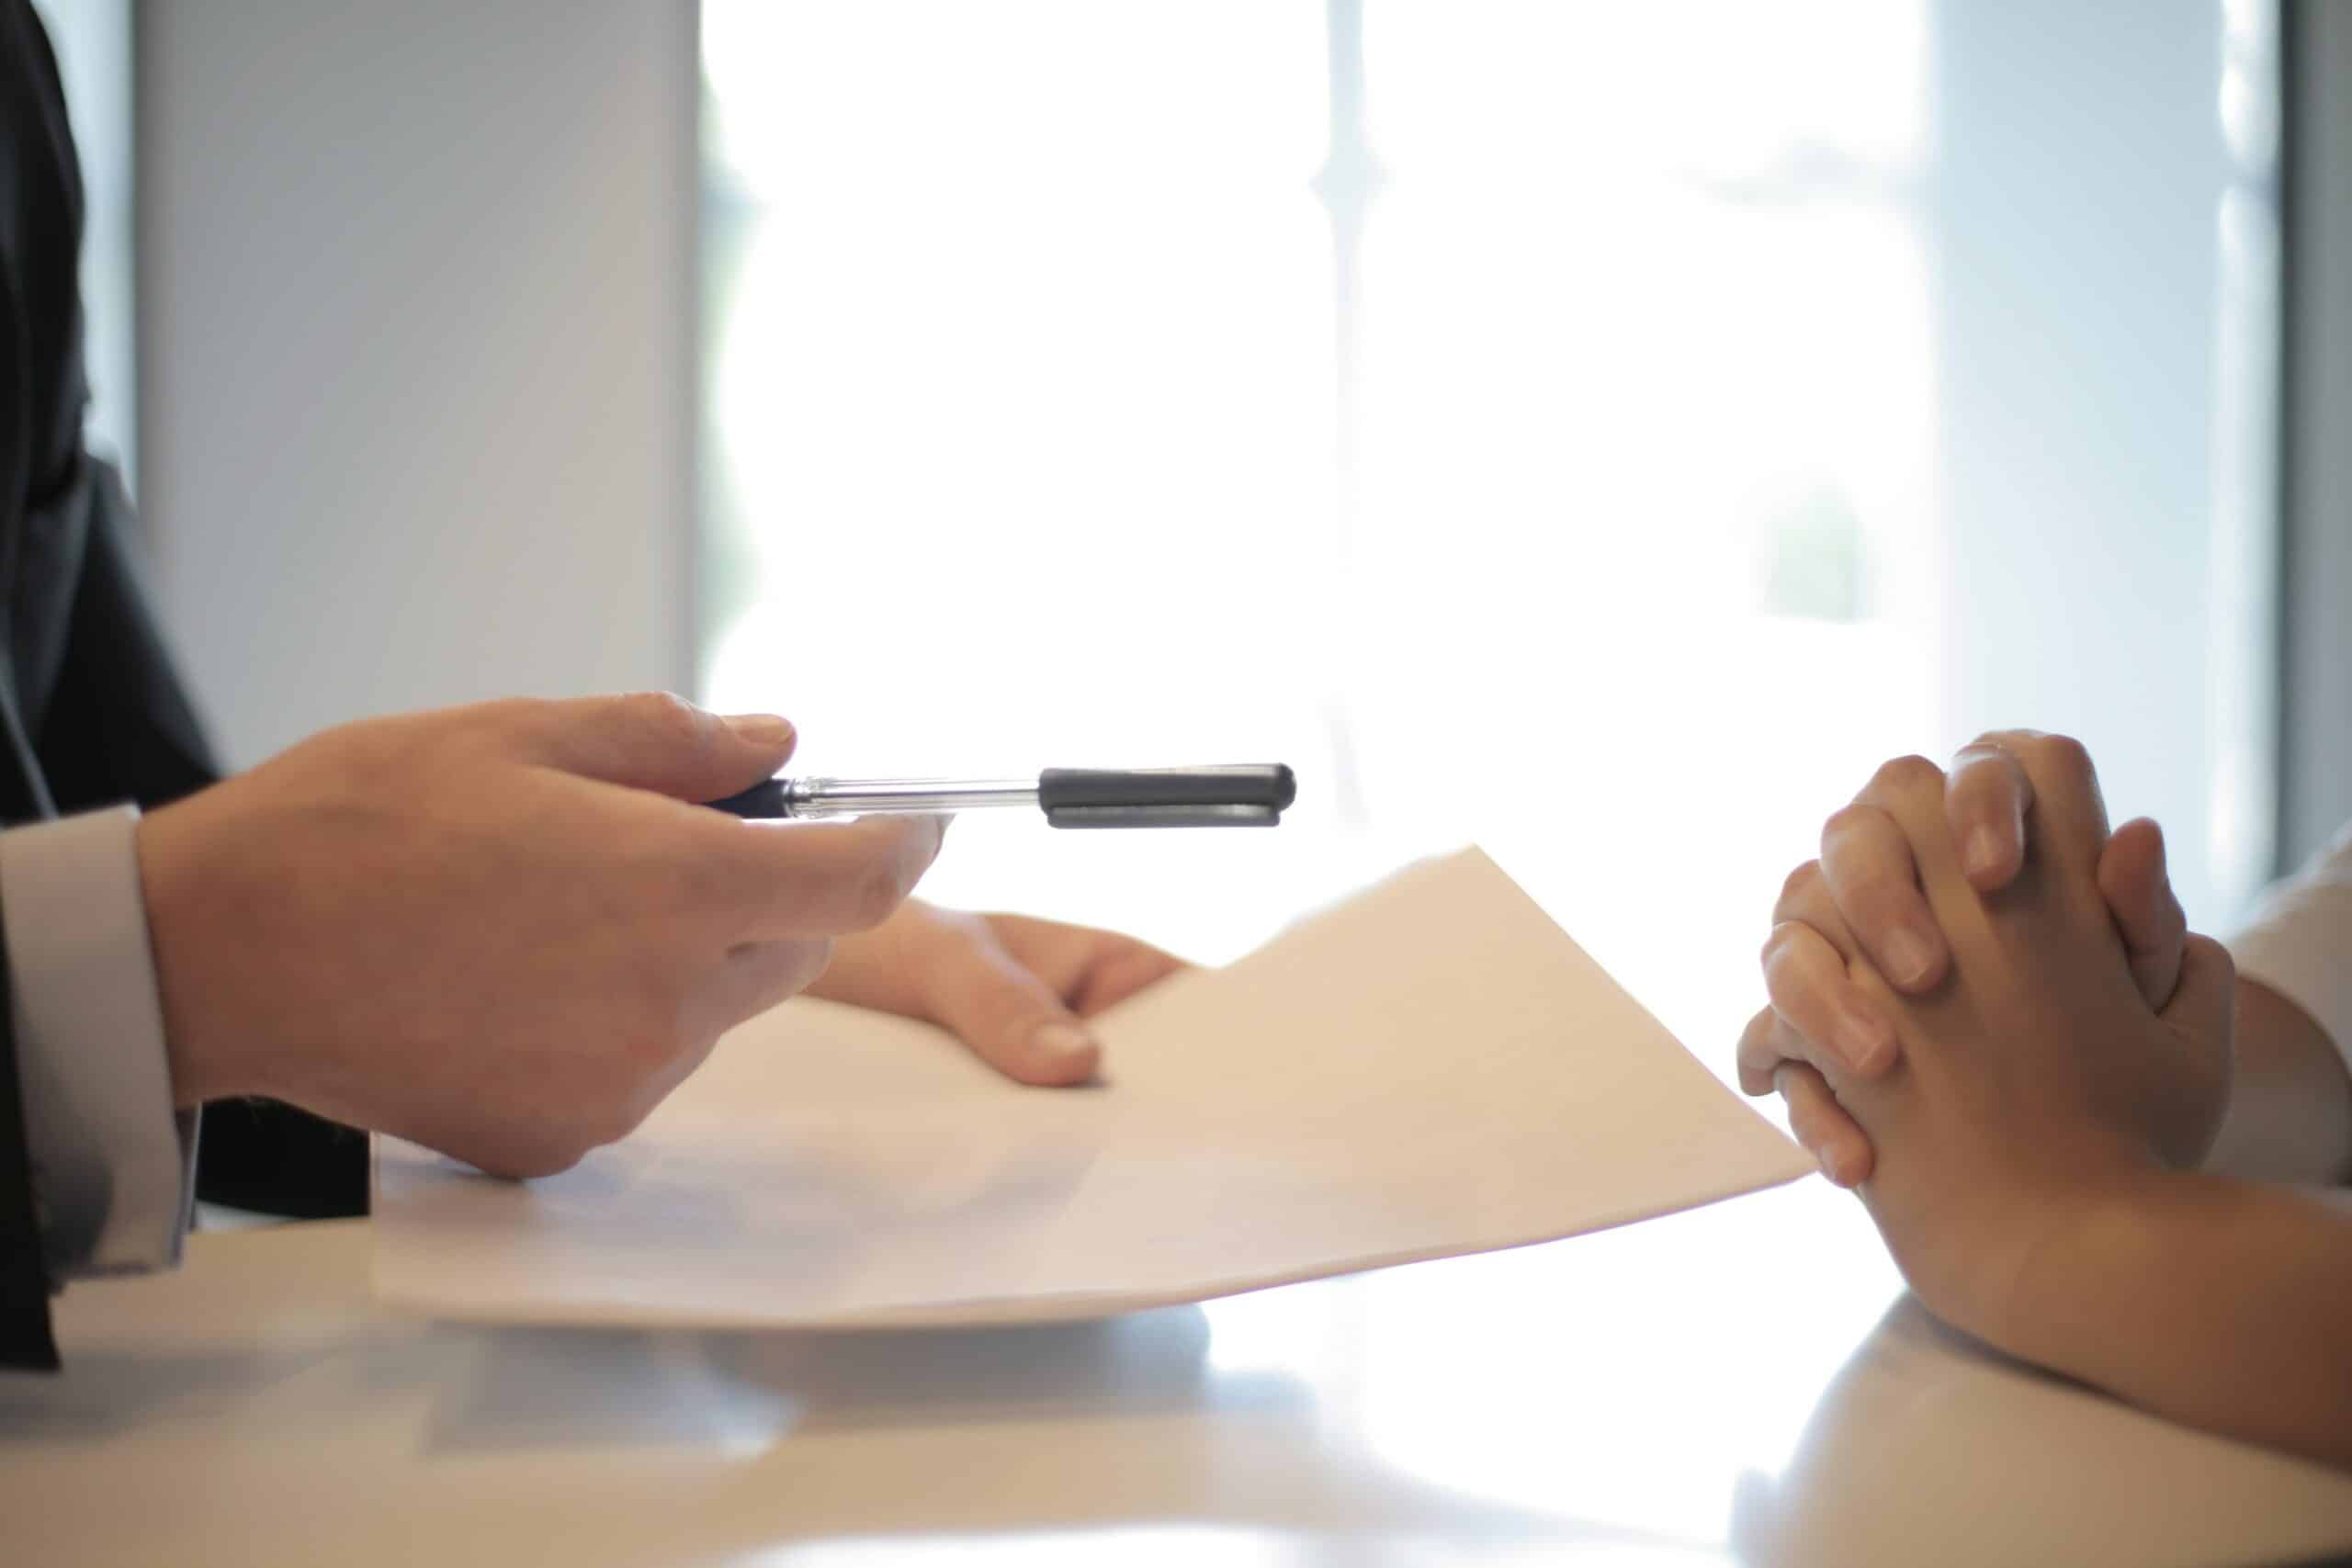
(120, 727)
(91, 711)
(26, 1340)
(117, 725)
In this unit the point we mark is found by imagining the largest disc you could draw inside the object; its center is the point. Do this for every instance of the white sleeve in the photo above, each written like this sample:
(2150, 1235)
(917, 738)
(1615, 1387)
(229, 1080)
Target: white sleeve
(113, 1167)
(2300, 941)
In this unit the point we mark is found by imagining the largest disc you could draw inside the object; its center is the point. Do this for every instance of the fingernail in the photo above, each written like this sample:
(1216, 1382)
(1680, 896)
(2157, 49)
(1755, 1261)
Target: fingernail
(1828, 1163)
(760, 728)
(1861, 1040)
(1982, 855)
(1908, 956)
(1062, 1040)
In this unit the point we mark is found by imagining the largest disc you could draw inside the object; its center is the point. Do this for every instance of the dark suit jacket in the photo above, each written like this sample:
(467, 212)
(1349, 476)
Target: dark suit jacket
(91, 711)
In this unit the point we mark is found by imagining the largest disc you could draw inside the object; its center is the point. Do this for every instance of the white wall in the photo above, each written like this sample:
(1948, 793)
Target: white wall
(416, 335)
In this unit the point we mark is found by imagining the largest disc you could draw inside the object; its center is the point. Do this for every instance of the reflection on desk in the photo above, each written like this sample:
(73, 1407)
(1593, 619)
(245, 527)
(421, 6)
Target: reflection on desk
(1745, 1383)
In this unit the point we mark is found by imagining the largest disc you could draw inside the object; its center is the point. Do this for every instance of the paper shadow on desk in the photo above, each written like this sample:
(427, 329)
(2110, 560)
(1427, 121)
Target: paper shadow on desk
(532, 1387)
(1431, 1069)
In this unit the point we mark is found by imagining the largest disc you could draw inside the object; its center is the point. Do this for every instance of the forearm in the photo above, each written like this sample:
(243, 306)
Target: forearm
(2222, 1304)
(2289, 1118)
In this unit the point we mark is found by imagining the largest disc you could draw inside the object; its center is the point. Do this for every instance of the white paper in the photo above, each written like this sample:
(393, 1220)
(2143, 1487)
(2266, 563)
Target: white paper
(1428, 1070)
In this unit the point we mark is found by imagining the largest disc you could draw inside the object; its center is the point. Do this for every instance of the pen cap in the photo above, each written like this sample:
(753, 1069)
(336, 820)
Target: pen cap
(1252, 796)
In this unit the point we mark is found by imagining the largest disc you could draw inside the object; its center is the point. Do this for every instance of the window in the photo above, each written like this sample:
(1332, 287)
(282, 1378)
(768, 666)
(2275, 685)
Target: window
(1600, 431)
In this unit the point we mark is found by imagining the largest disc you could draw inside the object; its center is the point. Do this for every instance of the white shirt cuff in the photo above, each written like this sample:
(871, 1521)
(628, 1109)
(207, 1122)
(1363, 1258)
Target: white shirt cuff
(113, 1167)
(2300, 941)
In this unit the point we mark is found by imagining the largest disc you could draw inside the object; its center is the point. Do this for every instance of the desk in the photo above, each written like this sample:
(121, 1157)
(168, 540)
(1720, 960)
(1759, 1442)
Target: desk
(1745, 1383)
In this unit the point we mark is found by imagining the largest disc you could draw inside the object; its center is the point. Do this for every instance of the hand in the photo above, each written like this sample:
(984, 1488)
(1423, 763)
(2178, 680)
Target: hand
(1867, 882)
(1014, 988)
(499, 931)
(2035, 1079)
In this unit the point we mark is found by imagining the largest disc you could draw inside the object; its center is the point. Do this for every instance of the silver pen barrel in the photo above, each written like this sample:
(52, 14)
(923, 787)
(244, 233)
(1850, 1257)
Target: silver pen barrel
(904, 798)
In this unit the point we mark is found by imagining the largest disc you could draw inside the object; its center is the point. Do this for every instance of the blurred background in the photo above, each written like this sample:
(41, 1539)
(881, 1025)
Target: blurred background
(1601, 432)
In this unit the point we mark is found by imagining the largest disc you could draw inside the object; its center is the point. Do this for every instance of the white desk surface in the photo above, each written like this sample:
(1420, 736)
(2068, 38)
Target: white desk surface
(1744, 1384)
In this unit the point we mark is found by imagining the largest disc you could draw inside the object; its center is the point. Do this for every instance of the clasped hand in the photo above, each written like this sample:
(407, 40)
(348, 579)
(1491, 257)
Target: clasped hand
(1987, 1013)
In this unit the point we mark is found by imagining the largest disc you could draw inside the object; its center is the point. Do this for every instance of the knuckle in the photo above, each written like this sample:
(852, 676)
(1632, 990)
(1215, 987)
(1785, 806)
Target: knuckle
(1798, 882)
(2064, 754)
(2205, 950)
(1907, 774)
(780, 970)
(803, 963)
(1760, 1052)
(665, 714)
(1848, 821)
(1992, 756)
(877, 895)
(1980, 778)
(1779, 958)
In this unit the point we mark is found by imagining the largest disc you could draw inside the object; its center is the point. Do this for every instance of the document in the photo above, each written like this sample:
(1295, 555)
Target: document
(1430, 1068)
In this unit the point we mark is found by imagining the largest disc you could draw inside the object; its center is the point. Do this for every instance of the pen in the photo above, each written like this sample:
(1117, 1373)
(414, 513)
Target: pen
(1234, 796)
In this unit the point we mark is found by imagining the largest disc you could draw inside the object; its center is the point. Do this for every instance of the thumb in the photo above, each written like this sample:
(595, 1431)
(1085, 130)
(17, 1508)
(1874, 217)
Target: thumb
(2204, 1003)
(2132, 879)
(2194, 1094)
(1009, 1018)
(655, 741)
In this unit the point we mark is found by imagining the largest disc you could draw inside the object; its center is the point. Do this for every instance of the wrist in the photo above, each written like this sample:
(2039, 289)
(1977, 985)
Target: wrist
(171, 885)
(2093, 1254)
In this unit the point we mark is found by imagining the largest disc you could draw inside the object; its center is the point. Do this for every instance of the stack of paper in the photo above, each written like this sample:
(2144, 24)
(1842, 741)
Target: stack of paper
(1431, 1069)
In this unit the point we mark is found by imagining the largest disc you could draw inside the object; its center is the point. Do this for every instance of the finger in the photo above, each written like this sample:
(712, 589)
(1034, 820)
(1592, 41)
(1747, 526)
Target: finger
(2205, 1001)
(2068, 818)
(785, 880)
(1824, 1009)
(1121, 974)
(1867, 869)
(1805, 898)
(2132, 879)
(2201, 1015)
(652, 740)
(1091, 970)
(1010, 1017)
(1765, 1045)
(1815, 1118)
(1911, 791)
(1986, 795)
